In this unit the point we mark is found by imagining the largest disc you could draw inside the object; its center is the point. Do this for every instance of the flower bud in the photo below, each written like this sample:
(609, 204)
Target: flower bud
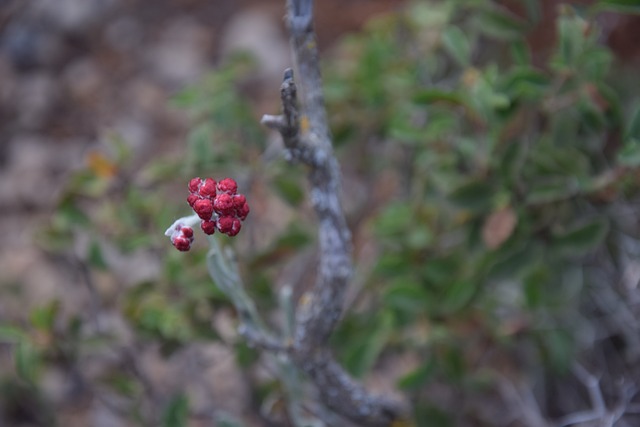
(228, 186)
(208, 188)
(209, 227)
(204, 208)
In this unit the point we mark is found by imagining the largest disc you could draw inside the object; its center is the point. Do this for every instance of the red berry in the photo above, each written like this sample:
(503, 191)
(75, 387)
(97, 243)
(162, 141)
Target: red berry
(229, 225)
(243, 211)
(204, 208)
(228, 186)
(192, 199)
(209, 227)
(223, 204)
(181, 243)
(208, 188)
(239, 200)
(187, 232)
(235, 228)
(225, 224)
(194, 184)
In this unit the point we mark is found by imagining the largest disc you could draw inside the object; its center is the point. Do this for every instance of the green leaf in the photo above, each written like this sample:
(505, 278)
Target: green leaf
(629, 154)
(394, 220)
(457, 295)
(418, 377)
(457, 45)
(95, 257)
(557, 348)
(475, 196)
(27, 360)
(406, 296)
(69, 214)
(44, 317)
(633, 128)
(11, 334)
(620, 6)
(499, 24)
(520, 53)
(581, 239)
(552, 190)
(177, 413)
(525, 82)
(534, 282)
(432, 96)
(362, 356)
(290, 190)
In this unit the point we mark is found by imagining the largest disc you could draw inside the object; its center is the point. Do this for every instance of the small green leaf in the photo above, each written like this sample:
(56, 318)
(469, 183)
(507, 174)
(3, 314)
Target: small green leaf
(633, 128)
(394, 220)
(629, 154)
(551, 190)
(95, 257)
(525, 82)
(418, 377)
(27, 361)
(581, 239)
(290, 190)
(364, 350)
(457, 295)
(177, 413)
(44, 317)
(11, 334)
(457, 45)
(406, 296)
(432, 96)
(499, 24)
(520, 53)
(475, 196)
(620, 6)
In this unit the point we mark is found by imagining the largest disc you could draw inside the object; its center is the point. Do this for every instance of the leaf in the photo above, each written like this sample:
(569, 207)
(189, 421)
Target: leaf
(27, 361)
(629, 154)
(367, 346)
(499, 24)
(581, 239)
(620, 6)
(44, 317)
(289, 190)
(11, 334)
(405, 296)
(498, 227)
(394, 220)
(432, 96)
(177, 413)
(95, 257)
(520, 52)
(419, 376)
(457, 295)
(633, 128)
(457, 45)
(551, 190)
(475, 196)
(525, 82)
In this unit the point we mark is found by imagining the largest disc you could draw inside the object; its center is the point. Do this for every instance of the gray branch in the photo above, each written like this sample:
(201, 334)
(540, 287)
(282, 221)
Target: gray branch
(305, 132)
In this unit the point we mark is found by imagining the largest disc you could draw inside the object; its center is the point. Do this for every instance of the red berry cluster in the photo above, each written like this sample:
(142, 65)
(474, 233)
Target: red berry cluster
(218, 206)
(182, 237)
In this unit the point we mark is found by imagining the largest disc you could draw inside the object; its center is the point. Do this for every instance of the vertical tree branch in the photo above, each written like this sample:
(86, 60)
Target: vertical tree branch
(307, 138)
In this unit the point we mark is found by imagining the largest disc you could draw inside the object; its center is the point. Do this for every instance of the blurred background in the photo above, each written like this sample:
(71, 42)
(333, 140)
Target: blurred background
(489, 154)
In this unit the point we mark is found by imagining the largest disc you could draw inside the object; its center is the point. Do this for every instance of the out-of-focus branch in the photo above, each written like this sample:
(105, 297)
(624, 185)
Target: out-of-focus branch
(306, 136)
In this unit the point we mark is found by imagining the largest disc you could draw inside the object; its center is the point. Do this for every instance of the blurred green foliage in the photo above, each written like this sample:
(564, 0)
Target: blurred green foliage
(504, 173)
(492, 181)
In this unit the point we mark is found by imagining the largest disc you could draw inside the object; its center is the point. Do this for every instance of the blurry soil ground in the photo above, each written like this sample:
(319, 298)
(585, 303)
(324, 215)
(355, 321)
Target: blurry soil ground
(73, 72)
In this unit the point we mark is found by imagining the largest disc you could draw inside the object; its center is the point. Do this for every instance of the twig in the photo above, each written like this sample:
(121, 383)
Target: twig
(307, 138)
